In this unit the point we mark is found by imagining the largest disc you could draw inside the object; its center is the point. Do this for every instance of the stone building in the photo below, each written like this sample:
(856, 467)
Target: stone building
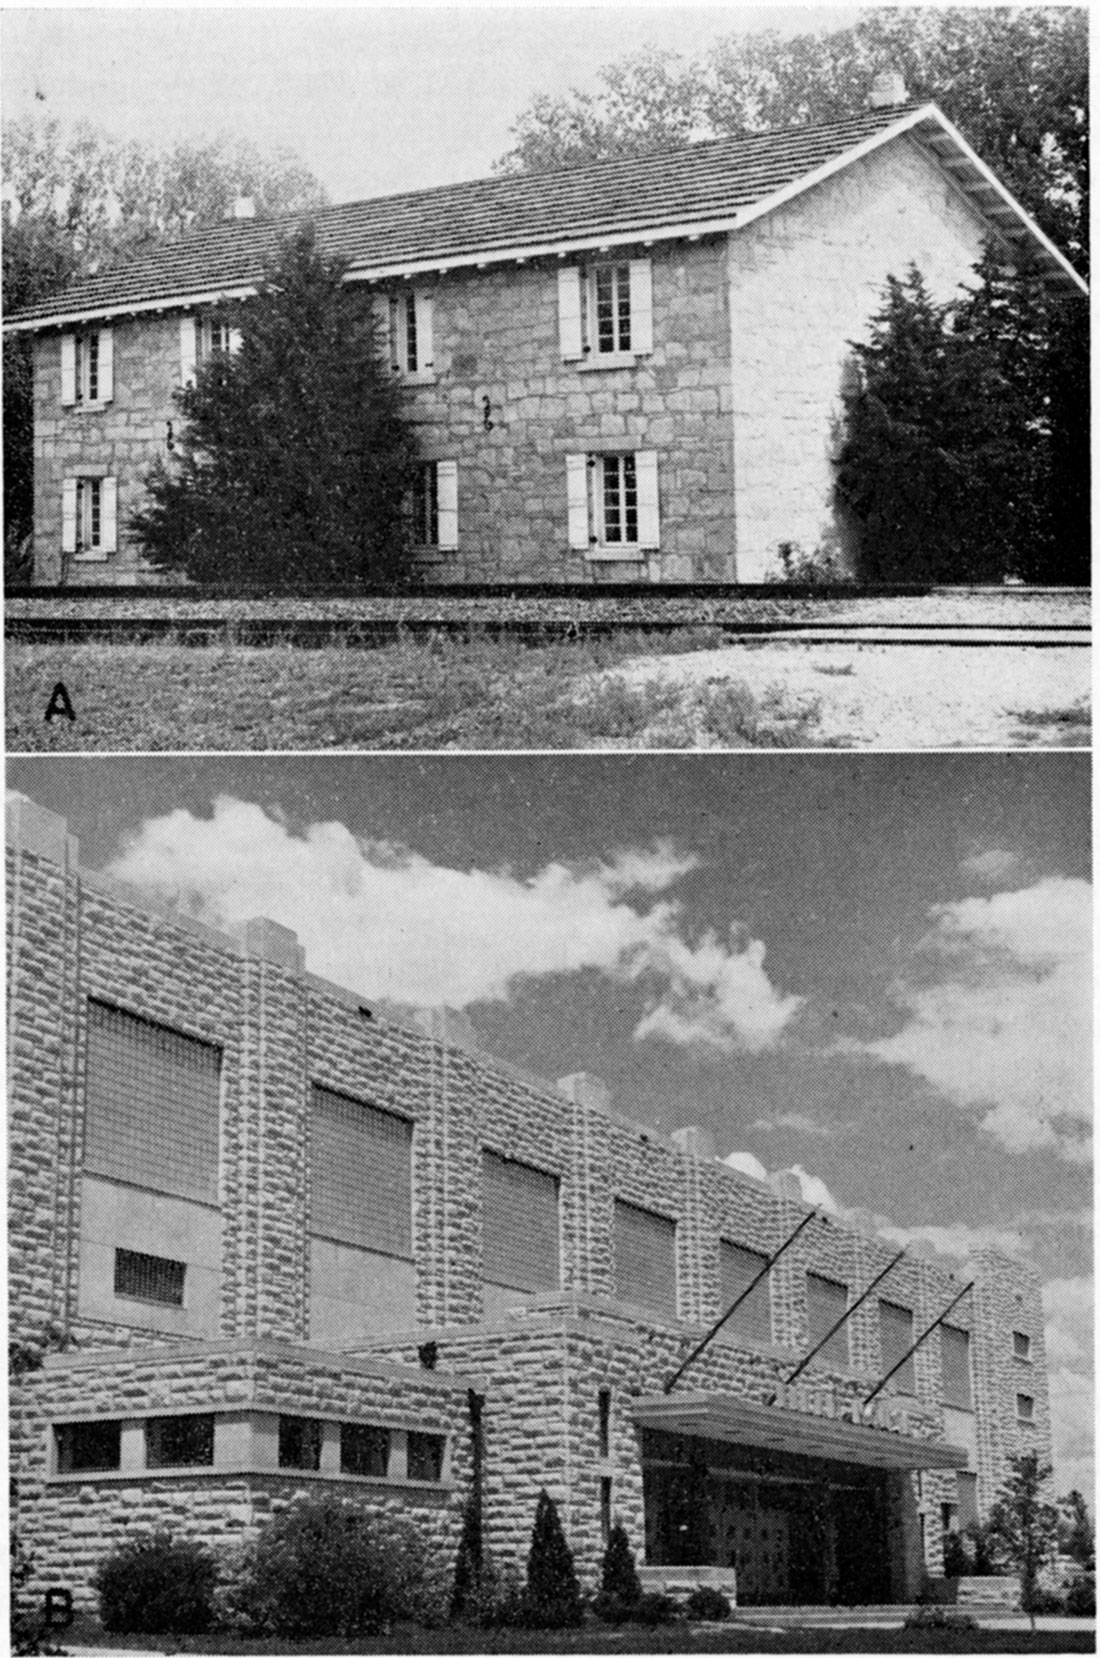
(628, 371)
(285, 1243)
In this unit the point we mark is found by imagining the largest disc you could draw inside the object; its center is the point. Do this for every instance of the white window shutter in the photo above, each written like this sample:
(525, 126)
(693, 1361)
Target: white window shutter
(68, 373)
(641, 305)
(108, 515)
(106, 365)
(189, 350)
(569, 311)
(576, 486)
(68, 515)
(380, 310)
(425, 349)
(446, 480)
(234, 341)
(649, 516)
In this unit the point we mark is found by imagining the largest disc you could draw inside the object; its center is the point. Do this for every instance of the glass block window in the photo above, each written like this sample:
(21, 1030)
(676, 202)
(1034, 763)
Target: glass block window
(645, 1258)
(364, 1450)
(520, 1238)
(88, 1447)
(955, 1350)
(737, 1267)
(895, 1334)
(149, 1278)
(1025, 1407)
(1021, 1346)
(179, 1442)
(425, 1457)
(826, 1301)
(361, 1174)
(299, 1442)
(152, 1105)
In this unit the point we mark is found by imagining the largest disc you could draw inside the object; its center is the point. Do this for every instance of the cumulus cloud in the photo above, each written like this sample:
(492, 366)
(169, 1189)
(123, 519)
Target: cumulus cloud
(389, 923)
(745, 1163)
(991, 866)
(957, 1240)
(1069, 1306)
(815, 1191)
(997, 1007)
(797, 1122)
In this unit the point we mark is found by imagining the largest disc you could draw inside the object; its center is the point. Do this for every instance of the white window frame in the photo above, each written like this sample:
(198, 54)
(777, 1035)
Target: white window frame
(438, 480)
(407, 322)
(202, 338)
(581, 337)
(89, 518)
(590, 483)
(87, 369)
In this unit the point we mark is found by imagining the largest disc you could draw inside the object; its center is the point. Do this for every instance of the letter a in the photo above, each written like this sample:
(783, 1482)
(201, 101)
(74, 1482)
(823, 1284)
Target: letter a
(59, 704)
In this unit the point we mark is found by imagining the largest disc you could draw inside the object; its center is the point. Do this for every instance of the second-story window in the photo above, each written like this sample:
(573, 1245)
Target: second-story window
(406, 321)
(87, 368)
(605, 311)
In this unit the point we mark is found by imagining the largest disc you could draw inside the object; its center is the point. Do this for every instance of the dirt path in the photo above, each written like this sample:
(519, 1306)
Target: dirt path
(899, 697)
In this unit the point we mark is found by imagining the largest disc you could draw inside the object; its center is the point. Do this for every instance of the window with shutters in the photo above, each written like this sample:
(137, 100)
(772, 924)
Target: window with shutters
(89, 517)
(826, 1303)
(605, 312)
(201, 340)
(407, 325)
(87, 368)
(87, 1447)
(895, 1334)
(520, 1237)
(645, 1258)
(613, 504)
(360, 1175)
(955, 1356)
(432, 506)
(737, 1268)
(152, 1105)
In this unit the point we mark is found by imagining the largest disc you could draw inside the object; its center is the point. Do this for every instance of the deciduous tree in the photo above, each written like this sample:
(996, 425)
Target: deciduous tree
(1023, 1524)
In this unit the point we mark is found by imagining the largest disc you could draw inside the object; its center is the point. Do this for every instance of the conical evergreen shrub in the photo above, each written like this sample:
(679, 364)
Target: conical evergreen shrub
(466, 1587)
(553, 1597)
(620, 1589)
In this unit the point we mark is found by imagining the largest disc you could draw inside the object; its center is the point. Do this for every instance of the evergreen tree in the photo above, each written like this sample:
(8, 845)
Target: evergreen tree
(1076, 1536)
(620, 1588)
(294, 458)
(553, 1598)
(466, 1584)
(1023, 1525)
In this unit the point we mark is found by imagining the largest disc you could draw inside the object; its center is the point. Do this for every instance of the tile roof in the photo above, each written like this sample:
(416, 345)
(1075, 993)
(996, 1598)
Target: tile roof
(489, 217)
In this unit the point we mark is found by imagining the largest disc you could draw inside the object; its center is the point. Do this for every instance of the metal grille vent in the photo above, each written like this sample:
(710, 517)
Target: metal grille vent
(895, 1334)
(826, 1301)
(645, 1258)
(520, 1237)
(149, 1278)
(737, 1268)
(153, 1100)
(361, 1174)
(955, 1349)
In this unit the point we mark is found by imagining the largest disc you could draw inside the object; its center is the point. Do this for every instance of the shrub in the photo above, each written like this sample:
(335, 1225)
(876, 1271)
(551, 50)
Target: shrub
(707, 1605)
(324, 1567)
(955, 1560)
(1081, 1598)
(939, 1617)
(1046, 1603)
(469, 1561)
(155, 1584)
(620, 1590)
(656, 1609)
(553, 1598)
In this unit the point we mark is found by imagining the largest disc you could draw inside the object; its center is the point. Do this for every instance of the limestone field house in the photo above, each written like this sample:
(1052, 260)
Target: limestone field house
(630, 370)
(277, 1240)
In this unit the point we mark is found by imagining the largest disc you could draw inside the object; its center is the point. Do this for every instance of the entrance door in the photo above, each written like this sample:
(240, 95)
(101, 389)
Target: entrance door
(862, 1559)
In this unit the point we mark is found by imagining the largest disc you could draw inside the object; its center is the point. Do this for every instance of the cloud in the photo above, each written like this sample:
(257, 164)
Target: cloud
(815, 1191)
(957, 1240)
(997, 1009)
(387, 922)
(990, 867)
(1069, 1304)
(796, 1122)
(745, 1163)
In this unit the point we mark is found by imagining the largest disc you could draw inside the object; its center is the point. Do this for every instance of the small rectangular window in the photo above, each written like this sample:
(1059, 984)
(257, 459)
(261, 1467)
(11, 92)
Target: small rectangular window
(425, 1457)
(605, 1509)
(425, 506)
(604, 1422)
(179, 1442)
(87, 367)
(1025, 1407)
(299, 1443)
(88, 1447)
(1021, 1346)
(89, 514)
(364, 1450)
(149, 1278)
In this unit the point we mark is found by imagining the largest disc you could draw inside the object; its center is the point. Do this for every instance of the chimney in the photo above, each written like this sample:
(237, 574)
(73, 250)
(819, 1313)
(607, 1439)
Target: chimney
(888, 90)
(244, 207)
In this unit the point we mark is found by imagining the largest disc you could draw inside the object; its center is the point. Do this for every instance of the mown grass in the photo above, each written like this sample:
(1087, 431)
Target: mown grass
(415, 693)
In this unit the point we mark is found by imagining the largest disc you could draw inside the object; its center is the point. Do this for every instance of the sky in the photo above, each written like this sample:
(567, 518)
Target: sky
(374, 99)
(872, 969)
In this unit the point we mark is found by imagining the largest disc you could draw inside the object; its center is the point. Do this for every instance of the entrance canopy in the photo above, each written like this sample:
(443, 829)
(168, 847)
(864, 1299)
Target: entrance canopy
(738, 1421)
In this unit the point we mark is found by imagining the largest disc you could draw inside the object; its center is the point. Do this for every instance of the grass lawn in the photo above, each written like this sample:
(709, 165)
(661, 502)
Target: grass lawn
(434, 693)
(597, 1638)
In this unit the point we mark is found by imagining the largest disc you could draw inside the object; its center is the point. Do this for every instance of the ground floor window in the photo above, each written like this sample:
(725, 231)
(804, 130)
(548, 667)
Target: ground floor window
(88, 1447)
(299, 1443)
(179, 1442)
(433, 506)
(364, 1450)
(89, 517)
(613, 503)
(425, 1457)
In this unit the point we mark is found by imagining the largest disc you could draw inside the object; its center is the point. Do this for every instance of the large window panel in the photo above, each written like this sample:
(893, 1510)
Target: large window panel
(152, 1105)
(520, 1236)
(827, 1301)
(895, 1331)
(738, 1267)
(645, 1258)
(360, 1174)
(955, 1350)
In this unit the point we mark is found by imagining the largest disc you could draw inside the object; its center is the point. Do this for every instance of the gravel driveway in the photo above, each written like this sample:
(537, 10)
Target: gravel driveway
(900, 696)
